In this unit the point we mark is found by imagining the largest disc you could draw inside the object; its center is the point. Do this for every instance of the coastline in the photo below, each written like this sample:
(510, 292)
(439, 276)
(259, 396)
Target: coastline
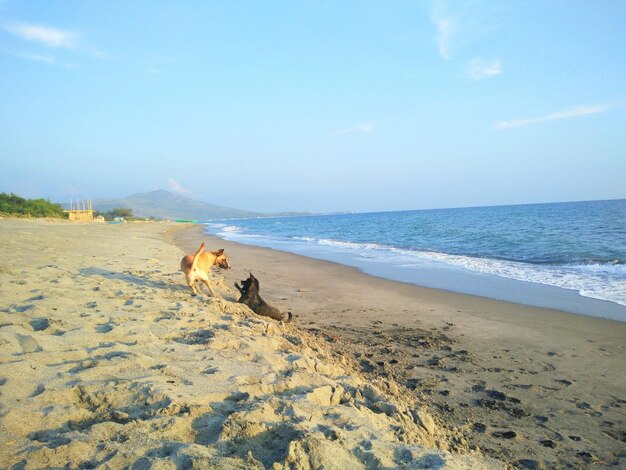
(452, 278)
(107, 361)
(555, 379)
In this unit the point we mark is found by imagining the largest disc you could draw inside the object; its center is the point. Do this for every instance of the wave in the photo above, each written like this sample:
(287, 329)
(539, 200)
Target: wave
(232, 228)
(602, 280)
(598, 279)
(352, 245)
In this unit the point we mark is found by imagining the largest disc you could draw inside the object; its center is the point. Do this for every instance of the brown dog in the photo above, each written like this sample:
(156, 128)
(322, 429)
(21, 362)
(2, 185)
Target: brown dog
(250, 296)
(196, 267)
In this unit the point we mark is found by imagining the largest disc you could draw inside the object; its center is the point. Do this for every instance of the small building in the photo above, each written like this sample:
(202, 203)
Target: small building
(83, 212)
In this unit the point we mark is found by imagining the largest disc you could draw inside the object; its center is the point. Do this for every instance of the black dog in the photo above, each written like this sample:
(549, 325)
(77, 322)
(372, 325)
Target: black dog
(250, 296)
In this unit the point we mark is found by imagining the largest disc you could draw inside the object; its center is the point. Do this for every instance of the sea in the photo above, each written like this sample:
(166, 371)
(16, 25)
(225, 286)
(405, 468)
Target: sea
(568, 256)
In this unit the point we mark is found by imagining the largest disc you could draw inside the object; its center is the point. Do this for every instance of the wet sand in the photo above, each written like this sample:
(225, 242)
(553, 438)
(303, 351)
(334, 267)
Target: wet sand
(536, 388)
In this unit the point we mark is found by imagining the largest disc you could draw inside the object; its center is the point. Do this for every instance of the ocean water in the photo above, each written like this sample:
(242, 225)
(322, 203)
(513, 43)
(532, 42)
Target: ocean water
(537, 254)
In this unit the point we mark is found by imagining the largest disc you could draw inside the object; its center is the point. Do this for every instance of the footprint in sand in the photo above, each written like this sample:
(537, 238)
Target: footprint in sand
(496, 395)
(504, 434)
(39, 324)
(83, 365)
(22, 308)
(548, 443)
(105, 328)
(366, 444)
(38, 391)
(564, 381)
(28, 344)
(36, 298)
(195, 337)
(479, 427)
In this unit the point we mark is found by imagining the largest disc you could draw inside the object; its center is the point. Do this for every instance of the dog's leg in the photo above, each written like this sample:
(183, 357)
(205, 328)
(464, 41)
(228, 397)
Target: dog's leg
(208, 284)
(192, 285)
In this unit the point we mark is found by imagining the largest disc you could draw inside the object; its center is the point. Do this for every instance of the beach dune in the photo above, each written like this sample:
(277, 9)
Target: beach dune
(107, 361)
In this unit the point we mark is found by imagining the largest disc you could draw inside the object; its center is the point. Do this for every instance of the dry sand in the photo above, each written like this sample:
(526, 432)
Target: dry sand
(106, 361)
(535, 388)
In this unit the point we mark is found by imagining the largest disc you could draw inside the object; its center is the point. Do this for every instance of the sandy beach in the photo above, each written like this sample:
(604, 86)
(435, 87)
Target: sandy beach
(107, 361)
(533, 387)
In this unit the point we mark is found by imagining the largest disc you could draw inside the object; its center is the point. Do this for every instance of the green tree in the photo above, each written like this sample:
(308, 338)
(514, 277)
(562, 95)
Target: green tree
(121, 212)
(12, 204)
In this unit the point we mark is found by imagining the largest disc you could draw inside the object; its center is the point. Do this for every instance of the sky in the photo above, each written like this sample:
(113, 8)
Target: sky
(320, 106)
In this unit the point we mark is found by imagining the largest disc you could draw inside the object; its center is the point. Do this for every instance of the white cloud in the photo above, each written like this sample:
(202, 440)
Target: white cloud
(363, 127)
(480, 69)
(462, 23)
(176, 187)
(46, 59)
(50, 37)
(38, 58)
(446, 29)
(568, 113)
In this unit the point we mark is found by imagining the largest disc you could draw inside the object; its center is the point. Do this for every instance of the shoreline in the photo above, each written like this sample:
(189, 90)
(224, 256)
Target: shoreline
(460, 280)
(108, 361)
(488, 368)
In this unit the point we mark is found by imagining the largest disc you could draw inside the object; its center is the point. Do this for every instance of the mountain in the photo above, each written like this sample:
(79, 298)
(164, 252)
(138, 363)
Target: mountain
(162, 204)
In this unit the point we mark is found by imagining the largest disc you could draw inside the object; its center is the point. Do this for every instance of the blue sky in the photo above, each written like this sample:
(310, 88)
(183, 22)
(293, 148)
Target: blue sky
(315, 105)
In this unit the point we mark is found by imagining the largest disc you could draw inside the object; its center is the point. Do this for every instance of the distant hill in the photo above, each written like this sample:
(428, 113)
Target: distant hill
(165, 205)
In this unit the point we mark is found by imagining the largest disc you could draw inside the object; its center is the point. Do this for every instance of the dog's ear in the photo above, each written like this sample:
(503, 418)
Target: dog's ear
(219, 252)
(256, 284)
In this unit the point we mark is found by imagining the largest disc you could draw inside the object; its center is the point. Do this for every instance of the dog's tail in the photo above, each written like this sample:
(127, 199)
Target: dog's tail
(194, 263)
(287, 317)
